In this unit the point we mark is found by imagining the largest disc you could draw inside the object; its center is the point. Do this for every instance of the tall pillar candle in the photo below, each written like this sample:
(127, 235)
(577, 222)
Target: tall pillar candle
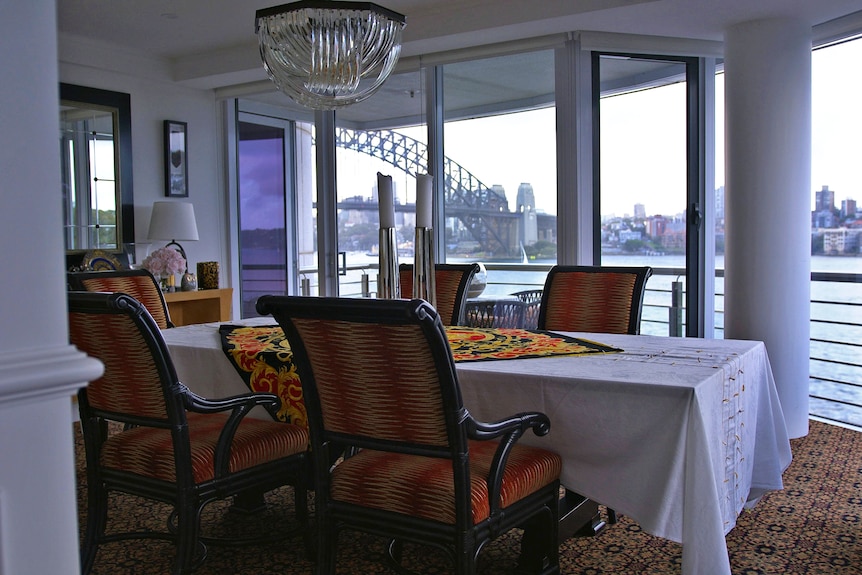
(388, 286)
(385, 201)
(424, 208)
(423, 248)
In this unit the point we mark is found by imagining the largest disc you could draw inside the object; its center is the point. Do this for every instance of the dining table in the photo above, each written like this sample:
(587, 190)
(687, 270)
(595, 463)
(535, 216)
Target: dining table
(679, 434)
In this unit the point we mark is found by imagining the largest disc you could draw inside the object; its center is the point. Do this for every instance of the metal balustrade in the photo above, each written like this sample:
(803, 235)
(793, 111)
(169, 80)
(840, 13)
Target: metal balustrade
(836, 326)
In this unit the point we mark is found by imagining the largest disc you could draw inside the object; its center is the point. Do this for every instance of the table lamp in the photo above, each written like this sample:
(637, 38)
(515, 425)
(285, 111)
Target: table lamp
(174, 221)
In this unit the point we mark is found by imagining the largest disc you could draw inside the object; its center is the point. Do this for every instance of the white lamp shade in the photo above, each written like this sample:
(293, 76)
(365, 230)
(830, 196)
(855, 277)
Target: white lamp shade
(173, 221)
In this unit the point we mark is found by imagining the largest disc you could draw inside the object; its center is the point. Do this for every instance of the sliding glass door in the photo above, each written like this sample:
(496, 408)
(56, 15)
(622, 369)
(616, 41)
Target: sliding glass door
(648, 195)
(266, 243)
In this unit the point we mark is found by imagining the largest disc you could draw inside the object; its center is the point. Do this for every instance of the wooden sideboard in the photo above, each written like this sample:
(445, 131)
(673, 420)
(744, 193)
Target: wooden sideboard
(201, 306)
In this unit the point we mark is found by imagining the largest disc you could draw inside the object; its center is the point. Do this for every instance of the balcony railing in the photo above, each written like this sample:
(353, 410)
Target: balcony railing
(836, 324)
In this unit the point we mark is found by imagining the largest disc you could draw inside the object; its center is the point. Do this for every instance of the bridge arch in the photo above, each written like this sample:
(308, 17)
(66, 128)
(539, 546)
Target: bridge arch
(483, 211)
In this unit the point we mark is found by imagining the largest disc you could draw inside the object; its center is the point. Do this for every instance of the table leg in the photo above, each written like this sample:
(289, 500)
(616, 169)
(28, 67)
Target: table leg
(579, 516)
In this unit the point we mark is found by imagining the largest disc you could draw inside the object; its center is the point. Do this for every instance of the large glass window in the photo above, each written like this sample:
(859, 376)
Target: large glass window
(385, 134)
(836, 233)
(499, 147)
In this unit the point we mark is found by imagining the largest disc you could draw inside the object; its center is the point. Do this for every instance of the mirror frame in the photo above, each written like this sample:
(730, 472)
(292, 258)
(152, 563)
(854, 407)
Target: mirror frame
(121, 102)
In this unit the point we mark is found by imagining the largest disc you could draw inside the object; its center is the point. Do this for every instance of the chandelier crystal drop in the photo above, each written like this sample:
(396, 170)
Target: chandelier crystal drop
(328, 54)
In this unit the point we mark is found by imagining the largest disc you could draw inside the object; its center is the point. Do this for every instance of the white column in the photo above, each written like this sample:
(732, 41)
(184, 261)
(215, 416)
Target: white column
(39, 371)
(768, 200)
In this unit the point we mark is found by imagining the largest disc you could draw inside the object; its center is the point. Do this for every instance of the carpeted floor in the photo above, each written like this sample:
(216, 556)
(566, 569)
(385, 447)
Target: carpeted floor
(812, 527)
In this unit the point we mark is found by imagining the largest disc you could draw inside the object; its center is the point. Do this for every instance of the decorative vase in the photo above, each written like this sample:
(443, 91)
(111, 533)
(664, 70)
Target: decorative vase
(208, 275)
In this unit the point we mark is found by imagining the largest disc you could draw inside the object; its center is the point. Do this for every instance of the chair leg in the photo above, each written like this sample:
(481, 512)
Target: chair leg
(465, 558)
(97, 517)
(539, 544)
(300, 502)
(191, 552)
(327, 546)
(612, 516)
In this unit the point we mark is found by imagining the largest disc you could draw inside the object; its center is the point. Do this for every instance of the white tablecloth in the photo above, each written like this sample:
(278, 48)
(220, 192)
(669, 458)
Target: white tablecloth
(679, 434)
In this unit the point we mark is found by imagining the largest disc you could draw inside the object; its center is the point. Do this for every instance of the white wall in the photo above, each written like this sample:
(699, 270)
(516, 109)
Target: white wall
(155, 98)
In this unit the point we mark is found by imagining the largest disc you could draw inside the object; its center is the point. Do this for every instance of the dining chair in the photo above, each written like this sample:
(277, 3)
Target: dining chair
(378, 378)
(451, 282)
(139, 283)
(593, 299)
(532, 299)
(495, 313)
(147, 435)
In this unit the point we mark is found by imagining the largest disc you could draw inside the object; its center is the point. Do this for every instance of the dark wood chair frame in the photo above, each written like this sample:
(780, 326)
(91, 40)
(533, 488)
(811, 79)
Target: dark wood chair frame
(538, 513)
(187, 496)
(467, 272)
(77, 282)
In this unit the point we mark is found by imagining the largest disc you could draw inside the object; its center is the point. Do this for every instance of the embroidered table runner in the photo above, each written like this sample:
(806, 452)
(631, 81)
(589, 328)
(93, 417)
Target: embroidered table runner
(263, 358)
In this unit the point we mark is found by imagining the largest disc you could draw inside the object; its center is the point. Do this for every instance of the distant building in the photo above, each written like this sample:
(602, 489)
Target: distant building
(824, 215)
(848, 208)
(656, 226)
(525, 204)
(640, 212)
(824, 219)
(626, 235)
(824, 200)
(840, 241)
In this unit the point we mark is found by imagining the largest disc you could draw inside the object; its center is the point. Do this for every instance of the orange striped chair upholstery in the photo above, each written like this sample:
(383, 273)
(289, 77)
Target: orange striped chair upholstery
(166, 443)
(139, 283)
(451, 282)
(378, 378)
(593, 299)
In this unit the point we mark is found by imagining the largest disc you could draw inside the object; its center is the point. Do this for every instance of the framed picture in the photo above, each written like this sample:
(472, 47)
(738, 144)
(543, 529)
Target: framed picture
(176, 159)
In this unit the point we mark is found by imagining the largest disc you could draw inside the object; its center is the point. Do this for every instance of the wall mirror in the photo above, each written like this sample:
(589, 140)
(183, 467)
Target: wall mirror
(96, 164)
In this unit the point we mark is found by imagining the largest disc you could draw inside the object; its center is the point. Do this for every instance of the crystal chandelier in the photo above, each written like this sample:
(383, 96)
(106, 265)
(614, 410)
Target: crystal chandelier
(328, 54)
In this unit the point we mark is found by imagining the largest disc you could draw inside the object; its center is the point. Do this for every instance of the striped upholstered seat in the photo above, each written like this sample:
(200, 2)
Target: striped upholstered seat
(140, 284)
(593, 299)
(451, 282)
(174, 446)
(378, 378)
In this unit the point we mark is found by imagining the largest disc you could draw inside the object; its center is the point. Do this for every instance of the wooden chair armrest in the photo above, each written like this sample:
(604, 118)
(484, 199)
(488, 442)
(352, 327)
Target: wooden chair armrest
(239, 406)
(509, 430)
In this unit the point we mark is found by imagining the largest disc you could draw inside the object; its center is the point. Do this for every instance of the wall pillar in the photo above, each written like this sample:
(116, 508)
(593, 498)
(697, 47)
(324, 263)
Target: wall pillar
(39, 370)
(768, 200)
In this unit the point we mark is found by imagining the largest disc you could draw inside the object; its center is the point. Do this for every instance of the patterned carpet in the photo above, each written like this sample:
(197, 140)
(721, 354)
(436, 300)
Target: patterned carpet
(813, 527)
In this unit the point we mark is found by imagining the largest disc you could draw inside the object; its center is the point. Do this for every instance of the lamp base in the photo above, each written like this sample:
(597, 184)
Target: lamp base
(182, 252)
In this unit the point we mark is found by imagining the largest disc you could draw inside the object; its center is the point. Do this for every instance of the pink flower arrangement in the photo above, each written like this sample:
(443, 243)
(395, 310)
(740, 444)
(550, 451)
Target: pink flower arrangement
(164, 261)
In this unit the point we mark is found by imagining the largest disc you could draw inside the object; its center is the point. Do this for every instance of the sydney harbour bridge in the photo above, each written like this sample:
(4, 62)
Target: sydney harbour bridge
(482, 212)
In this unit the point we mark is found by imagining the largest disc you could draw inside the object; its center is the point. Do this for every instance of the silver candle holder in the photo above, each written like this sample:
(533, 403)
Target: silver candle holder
(424, 286)
(388, 284)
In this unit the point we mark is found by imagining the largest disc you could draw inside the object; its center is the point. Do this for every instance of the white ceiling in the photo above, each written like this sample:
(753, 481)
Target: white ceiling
(212, 44)
(214, 38)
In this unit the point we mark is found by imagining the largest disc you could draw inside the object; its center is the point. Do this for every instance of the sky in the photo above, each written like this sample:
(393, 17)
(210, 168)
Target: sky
(837, 121)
